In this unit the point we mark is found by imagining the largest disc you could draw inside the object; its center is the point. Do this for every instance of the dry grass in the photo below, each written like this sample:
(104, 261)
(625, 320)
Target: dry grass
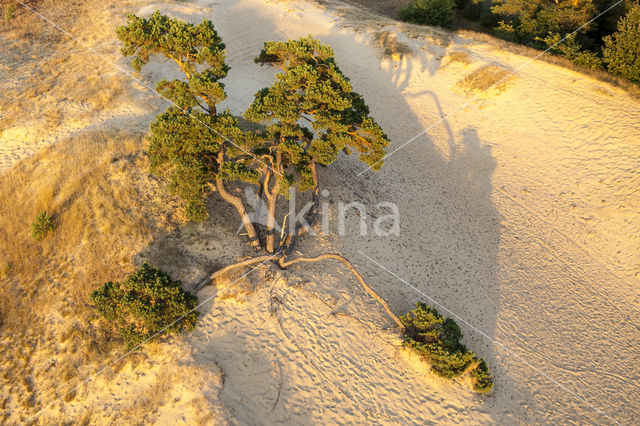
(488, 77)
(106, 209)
(144, 406)
(53, 79)
(387, 42)
(457, 57)
(519, 49)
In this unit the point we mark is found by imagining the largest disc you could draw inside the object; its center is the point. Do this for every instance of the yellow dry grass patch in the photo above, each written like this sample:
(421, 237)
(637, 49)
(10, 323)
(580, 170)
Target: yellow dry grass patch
(106, 209)
(458, 57)
(489, 77)
(53, 78)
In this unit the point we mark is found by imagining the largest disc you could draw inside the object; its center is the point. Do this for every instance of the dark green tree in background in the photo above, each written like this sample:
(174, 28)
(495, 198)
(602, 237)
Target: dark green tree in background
(533, 20)
(580, 30)
(622, 49)
(440, 13)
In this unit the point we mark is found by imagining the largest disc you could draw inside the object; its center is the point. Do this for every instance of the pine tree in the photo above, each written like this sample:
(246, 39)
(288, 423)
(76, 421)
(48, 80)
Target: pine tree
(312, 90)
(622, 49)
(311, 114)
(199, 149)
(203, 151)
(536, 19)
(430, 12)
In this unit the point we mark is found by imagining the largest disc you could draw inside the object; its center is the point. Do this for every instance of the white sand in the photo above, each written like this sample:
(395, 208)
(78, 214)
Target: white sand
(519, 214)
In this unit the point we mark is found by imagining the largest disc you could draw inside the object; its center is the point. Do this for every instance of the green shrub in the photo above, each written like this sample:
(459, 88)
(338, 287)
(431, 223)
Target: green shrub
(144, 304)
(437, 340)
(42, 226)
(571, 49)
(430, 12)
(5, 269)
(10, 12)
(622, 49)
(506, 31)
(482, 380)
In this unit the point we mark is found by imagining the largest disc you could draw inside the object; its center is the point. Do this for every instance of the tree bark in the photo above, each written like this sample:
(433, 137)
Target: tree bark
(231, 267)
(311, 217)
(236, 202)
(272, 203)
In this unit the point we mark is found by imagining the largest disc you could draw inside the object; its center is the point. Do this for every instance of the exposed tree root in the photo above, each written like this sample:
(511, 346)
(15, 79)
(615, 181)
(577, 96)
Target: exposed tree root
(356, 274)
(283, 263)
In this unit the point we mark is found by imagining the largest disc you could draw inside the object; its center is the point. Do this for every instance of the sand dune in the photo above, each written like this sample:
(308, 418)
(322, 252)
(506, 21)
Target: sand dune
(519, 213)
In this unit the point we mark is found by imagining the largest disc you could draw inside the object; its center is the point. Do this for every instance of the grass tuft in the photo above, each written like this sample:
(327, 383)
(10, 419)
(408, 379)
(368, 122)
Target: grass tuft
(488, 77)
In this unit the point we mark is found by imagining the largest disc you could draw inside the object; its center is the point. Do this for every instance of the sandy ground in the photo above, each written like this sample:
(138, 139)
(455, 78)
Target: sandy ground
(519, 213)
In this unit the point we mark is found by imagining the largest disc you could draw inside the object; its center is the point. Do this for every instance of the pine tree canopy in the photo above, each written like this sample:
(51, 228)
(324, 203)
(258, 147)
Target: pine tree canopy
(196, 49)
(312, 111)
(622, 49)
(311, 114)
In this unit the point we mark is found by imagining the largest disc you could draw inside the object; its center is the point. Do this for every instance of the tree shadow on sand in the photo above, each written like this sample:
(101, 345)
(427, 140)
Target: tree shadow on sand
(450, 229)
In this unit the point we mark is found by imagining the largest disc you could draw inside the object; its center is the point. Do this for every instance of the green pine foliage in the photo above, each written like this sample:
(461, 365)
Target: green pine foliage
(312, 89)
(202, 151)
(482, 380)
(535, 19)
(144, 304)
(572, 50)
(437, 340)
(312, 114)
(10, 12)
(190, 143)
(42, 226)
(622, 49)
(440, 13)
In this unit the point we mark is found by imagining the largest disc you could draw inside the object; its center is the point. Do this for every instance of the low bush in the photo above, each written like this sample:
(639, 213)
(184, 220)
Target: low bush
(437, 340)
(482, 380)
(10, 12)
(144, 304)
(42, 226)
(5, 270)
(430, 12)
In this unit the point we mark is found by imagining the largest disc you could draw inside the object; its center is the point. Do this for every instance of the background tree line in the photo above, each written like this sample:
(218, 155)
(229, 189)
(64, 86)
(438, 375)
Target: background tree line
(612, 41)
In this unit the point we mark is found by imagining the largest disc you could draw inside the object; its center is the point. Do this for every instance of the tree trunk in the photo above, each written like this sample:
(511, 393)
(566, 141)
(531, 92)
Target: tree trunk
(272, 203)
(236, 202)
(310, 218)
(248, 262)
